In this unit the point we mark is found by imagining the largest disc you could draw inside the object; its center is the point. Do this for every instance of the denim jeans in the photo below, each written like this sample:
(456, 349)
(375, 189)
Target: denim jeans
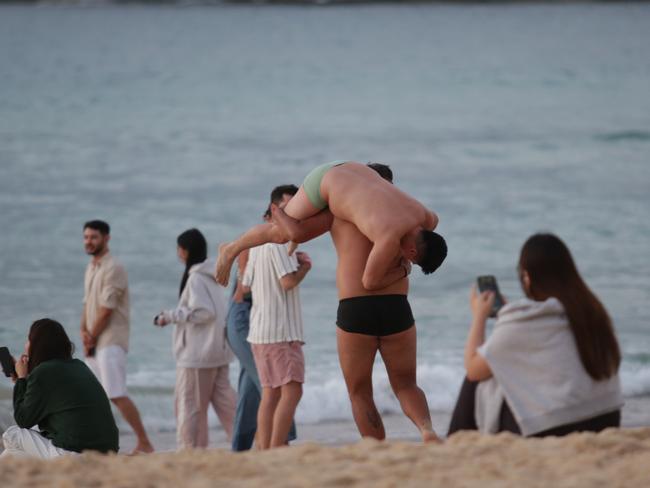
(245, 425)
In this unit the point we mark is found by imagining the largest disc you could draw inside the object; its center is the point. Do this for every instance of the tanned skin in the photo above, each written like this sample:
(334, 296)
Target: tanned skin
(389, 218)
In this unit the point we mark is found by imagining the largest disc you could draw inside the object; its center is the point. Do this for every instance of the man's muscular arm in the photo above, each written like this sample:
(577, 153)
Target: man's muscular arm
(302, 230)
(430, 220)
(378, 273)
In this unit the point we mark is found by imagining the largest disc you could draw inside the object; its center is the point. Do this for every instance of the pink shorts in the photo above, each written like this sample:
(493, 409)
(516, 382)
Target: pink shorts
(279, 363)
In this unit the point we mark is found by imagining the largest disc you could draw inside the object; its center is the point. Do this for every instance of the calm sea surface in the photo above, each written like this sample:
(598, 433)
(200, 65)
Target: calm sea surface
(505, 120)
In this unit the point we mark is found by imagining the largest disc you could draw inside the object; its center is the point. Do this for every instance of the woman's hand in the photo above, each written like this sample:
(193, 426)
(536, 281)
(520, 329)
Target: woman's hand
(476, 366)
(161, 319)
(481, 303)
(21, 366)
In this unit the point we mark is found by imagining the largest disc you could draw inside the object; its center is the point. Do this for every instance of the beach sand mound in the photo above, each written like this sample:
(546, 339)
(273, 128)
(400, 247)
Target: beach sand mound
(614, 458)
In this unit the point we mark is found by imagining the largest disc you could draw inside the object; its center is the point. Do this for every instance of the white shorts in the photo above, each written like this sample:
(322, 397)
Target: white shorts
(109, 365)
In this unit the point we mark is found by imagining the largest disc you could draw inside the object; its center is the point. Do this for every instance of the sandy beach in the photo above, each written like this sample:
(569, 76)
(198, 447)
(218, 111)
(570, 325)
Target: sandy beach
(614, 458)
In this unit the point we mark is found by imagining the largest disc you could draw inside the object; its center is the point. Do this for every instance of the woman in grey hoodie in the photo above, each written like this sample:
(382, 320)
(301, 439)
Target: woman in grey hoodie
(200, 349)
(550, 366)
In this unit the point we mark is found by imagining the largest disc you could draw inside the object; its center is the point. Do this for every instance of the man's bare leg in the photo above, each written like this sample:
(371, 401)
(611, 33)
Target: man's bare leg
(255, 236)
(298, 208)
(299, 231)
(130, 413)
(399, 354)
(286, 408)
(357, 356)
(265, 413)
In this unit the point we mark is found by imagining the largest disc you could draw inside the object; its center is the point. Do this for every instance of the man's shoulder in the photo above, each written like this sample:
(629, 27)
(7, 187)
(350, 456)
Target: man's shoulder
(111, 262)
(272, 249)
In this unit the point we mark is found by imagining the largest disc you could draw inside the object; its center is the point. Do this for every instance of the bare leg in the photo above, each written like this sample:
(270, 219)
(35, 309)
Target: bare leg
(298, 208)
(130, 413)
(399, 354)
(265, 412)
(286, 408)
(302, 230)
(356, 356)
(255, 236)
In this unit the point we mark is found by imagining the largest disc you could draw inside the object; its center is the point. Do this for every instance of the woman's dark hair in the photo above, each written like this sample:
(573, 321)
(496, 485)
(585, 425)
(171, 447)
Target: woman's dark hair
(197, 251)
(47, 340)
(553, 273)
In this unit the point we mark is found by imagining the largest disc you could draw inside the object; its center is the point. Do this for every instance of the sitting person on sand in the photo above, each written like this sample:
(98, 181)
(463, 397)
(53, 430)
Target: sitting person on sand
(550, 366)
(394, 222)
(60, 395)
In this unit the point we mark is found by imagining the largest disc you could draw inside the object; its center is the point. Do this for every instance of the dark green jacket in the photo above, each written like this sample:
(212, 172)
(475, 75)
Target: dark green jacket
(69, 405)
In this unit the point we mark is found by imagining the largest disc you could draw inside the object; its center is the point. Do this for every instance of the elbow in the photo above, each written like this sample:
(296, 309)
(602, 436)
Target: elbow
(370, 284)
(472, 376)
(435, 220)
(287, 283)
(22, 421)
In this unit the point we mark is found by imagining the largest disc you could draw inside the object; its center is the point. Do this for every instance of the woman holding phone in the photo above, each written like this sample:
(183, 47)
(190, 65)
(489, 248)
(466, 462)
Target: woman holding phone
(61, 396)
(550, 366)
(200, 349)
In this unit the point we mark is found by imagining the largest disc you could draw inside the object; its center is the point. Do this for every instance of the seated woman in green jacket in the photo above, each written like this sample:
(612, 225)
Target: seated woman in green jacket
(60, 395)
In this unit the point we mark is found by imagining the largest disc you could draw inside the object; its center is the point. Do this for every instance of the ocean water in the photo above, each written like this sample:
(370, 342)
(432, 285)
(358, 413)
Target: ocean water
(504, 119)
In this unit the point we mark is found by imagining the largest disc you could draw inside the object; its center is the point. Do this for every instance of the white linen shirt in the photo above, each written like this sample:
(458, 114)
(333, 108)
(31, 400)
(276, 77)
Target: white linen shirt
(276, 315)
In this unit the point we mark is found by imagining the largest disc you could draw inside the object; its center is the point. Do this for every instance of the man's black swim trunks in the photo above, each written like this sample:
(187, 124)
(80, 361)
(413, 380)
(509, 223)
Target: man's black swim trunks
(375, 315)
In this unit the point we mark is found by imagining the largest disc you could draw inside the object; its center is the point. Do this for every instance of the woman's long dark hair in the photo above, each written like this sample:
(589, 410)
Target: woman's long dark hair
(197, 251)
(553, 273)
(47, 340)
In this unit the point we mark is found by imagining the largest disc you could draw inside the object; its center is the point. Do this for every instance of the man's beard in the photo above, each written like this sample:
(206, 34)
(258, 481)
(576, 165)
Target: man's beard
(96, 251)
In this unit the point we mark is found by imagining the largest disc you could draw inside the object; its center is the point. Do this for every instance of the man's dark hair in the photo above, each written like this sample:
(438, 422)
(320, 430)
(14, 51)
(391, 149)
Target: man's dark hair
(267, 213)
(432, 250)
(99, 225)
(279, 191)
(383, 169)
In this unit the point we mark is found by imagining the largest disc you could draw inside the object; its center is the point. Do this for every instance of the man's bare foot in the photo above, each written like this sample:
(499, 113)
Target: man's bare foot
(430, 436)
(224, 264)
(142, 448)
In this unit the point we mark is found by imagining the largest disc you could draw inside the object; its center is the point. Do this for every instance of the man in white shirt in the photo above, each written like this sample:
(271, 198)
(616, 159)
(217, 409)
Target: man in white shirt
(276, 331)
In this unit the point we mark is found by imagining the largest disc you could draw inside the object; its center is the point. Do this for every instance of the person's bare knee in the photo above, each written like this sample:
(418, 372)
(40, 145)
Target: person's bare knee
(119, 402)
(292, 390)
(277, 235)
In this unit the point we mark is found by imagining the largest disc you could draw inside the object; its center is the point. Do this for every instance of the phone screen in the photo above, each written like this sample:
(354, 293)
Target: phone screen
(489, 283)
(8, 366)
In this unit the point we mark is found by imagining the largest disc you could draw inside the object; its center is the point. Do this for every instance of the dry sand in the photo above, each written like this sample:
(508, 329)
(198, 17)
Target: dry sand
(614, 458)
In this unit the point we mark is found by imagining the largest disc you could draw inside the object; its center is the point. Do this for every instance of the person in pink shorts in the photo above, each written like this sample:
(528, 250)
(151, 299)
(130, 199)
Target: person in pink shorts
(276, 331)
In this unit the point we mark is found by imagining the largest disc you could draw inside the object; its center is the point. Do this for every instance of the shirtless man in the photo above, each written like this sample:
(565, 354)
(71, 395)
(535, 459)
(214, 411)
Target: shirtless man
(371, 321)
(393, 221)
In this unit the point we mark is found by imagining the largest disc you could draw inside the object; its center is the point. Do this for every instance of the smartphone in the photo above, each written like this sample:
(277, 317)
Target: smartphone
(8, 366)
(489, 283)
